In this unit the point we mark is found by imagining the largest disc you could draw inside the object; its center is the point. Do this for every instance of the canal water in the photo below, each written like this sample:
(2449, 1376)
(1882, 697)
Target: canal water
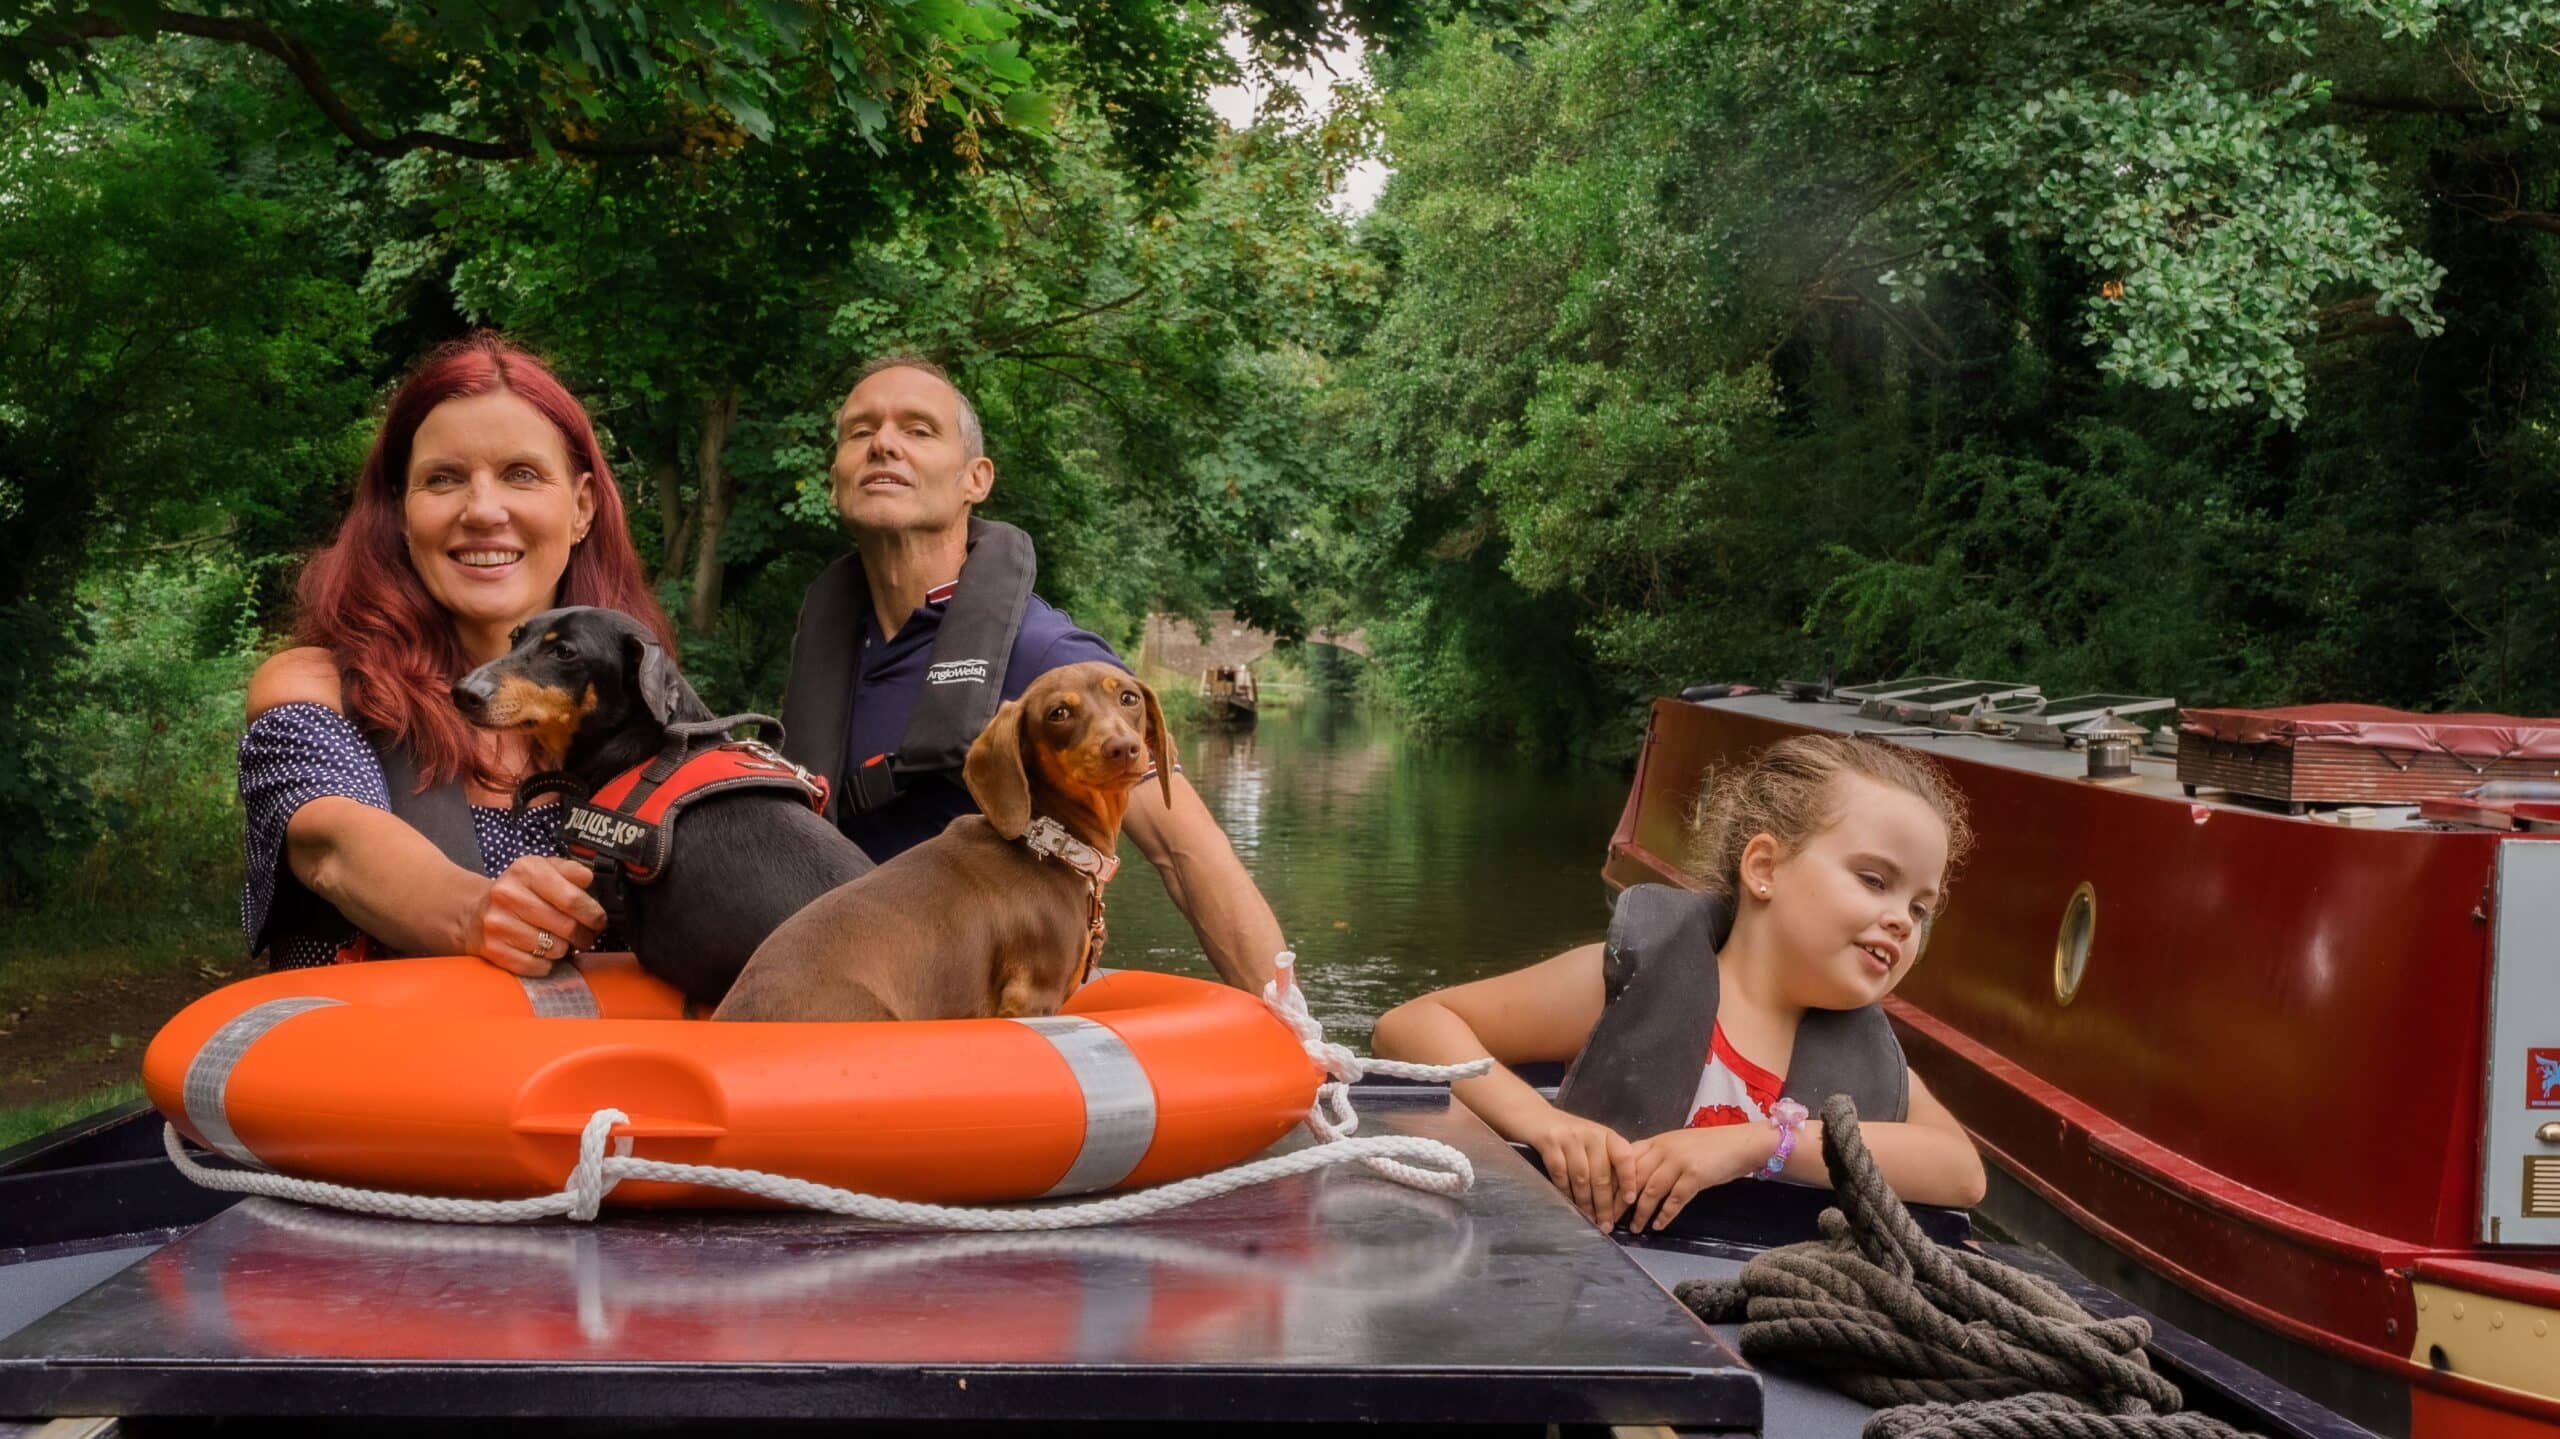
(1395, 864)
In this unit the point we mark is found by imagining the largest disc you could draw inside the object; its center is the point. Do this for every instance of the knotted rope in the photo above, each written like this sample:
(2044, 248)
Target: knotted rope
(1947, 1343)
(1410, 1160)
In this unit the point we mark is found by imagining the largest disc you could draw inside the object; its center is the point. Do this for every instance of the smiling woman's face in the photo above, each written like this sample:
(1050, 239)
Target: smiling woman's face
(492, 510)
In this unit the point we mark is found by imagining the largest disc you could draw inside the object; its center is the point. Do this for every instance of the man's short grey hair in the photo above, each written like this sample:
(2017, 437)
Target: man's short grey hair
(973, 436)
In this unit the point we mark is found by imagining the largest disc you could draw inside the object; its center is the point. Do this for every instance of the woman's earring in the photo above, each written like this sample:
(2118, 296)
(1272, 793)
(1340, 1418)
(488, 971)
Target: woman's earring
(1764, 891)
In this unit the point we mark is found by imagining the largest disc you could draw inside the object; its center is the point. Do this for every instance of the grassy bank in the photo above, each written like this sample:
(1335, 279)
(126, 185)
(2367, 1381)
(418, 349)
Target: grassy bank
(76, 1012)
(134, 908)
(29, 1120)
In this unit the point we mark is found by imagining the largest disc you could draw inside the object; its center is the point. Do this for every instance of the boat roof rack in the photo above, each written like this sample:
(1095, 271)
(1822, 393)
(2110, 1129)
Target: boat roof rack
(1925, 706)
(1954, 702)
(1893, 689)
(2053, 722)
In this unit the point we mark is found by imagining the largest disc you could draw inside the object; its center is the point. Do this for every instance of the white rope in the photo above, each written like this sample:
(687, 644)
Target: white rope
(1410, 1160)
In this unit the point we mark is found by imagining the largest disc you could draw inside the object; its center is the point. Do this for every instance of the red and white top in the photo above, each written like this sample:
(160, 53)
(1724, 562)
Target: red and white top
(1732, 1090)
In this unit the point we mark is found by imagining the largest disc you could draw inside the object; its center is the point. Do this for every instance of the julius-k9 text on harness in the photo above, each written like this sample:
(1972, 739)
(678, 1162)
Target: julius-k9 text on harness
(629, 824)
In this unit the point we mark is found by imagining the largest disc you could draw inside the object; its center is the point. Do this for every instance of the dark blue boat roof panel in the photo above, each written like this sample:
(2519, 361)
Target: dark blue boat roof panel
(1333, 1295)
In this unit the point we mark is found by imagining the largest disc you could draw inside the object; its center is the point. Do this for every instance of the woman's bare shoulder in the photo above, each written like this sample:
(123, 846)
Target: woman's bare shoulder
(306, 674)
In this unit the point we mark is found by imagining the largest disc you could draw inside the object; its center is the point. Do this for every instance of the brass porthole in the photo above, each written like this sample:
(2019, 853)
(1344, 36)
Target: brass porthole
(2071, 943)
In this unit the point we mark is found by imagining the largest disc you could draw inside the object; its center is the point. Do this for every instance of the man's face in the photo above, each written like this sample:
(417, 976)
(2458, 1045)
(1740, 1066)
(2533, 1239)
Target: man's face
(900, 461)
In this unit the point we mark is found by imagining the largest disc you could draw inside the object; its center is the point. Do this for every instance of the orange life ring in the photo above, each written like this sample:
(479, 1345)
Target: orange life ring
(452, 1077)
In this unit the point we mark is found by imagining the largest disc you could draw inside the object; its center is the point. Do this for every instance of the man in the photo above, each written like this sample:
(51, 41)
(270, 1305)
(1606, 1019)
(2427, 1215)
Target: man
(906, 646)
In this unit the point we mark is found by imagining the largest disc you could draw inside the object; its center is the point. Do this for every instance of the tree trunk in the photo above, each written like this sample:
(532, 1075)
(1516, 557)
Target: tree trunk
(666, 471)
(710, 506)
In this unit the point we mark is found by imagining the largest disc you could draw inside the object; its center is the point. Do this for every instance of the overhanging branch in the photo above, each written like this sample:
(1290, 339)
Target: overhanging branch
(2428, 105)
(1001, 342)
(305, 66)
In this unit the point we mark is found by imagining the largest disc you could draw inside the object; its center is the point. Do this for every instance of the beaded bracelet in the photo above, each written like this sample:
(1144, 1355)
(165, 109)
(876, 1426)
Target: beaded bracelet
(1786, 1114)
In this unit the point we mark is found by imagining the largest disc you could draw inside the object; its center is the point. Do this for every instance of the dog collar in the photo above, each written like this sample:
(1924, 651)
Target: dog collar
(1050, 840)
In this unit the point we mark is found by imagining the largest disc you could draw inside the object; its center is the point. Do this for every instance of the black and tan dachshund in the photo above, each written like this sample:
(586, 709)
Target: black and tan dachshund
(595, 692)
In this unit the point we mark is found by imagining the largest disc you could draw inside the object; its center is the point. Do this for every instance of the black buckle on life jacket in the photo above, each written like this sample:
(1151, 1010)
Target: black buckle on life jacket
(872, 784)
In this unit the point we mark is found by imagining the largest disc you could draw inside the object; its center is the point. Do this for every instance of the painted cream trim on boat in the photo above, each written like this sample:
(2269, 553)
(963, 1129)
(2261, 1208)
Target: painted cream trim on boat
(2505, 1342)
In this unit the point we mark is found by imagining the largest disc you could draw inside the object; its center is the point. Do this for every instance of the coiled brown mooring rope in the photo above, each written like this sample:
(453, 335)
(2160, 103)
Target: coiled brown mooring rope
(1946, 1343)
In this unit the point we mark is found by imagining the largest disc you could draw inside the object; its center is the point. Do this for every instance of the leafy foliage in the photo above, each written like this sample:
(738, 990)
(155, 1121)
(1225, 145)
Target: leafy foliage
(173, 360)
(1755, 338)
(589, 77)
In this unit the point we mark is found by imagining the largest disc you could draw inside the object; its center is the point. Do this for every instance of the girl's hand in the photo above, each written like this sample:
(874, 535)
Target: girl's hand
(533, 897)
(1664, 1172)
(1584, 1158)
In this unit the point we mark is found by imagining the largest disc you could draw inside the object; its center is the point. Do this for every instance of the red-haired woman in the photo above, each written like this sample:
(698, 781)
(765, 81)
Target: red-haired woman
(378, 821)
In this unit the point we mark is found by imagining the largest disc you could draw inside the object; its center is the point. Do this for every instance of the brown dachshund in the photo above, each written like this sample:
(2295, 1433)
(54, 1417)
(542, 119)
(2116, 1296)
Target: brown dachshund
(1001, 913)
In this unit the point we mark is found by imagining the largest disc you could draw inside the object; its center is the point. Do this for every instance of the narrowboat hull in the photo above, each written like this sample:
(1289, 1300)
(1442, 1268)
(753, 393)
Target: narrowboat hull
(2264, 1080)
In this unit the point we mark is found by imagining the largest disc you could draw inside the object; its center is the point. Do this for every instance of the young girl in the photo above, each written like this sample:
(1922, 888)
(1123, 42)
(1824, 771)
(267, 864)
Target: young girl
(1826, 855)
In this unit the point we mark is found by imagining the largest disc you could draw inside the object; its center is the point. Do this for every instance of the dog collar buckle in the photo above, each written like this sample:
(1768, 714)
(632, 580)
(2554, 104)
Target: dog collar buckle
(1050, 840)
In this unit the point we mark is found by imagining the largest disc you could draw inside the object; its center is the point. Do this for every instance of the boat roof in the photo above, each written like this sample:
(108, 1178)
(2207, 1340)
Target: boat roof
(1324, 1296)
(2154, 775)
(1330, 1295)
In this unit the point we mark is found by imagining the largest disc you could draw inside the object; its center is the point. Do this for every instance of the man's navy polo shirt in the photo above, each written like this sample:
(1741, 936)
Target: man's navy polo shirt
(887, 679)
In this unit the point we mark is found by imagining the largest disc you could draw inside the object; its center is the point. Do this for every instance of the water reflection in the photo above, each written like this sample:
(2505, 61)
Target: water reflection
(1395, 865)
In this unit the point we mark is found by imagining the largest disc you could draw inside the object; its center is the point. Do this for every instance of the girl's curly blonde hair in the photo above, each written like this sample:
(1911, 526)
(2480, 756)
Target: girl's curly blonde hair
(1785, 792)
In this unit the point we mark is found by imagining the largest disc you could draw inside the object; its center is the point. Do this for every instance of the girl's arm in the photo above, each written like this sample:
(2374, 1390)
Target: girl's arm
(1544, 1012)
(1928, 1158)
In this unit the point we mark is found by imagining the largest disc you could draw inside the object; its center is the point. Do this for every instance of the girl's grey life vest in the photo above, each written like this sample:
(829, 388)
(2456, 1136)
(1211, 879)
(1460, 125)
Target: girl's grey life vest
(1638, 1073)
(963, 683)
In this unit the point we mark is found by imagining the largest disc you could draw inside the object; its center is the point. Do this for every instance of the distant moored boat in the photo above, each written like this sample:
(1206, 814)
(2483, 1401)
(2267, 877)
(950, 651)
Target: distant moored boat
(1227, 695)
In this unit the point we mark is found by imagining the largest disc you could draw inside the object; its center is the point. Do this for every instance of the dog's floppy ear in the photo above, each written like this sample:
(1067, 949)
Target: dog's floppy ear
(994, 772)
(662, 686)
(1159, 743)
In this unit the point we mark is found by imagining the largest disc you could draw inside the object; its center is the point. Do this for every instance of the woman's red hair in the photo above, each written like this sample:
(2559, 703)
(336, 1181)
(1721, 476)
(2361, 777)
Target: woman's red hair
(360, 599)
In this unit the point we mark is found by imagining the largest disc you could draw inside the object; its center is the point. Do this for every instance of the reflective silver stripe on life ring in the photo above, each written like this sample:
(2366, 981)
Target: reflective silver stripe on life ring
(561, 994)
(209, 1073)
(1119, 1101)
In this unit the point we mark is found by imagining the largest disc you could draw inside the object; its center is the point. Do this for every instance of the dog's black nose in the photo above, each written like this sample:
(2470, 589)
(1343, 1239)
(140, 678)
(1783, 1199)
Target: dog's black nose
(473, 692)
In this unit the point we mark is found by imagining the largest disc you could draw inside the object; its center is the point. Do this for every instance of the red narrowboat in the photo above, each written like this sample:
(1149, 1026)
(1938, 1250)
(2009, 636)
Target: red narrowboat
(2283, 1068)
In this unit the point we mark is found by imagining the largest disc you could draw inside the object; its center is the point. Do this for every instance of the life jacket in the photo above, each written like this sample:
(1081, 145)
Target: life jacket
(963, 683)
(628, 826)
(1639, 1070)
(441, 812)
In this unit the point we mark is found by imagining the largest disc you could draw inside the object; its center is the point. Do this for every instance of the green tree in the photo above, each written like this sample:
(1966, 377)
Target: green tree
(514, 79)
(1755, 337)
(175, 359)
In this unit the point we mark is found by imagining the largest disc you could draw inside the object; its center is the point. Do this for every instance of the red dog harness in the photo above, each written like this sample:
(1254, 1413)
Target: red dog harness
(631, 821)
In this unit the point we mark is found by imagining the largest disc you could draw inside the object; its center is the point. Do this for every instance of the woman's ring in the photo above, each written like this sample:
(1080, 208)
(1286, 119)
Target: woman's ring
(542, 942)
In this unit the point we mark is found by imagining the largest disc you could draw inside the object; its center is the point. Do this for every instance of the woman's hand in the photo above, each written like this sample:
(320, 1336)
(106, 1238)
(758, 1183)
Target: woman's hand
(536, 895)
(1664, 1172)
(1583, 1157)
